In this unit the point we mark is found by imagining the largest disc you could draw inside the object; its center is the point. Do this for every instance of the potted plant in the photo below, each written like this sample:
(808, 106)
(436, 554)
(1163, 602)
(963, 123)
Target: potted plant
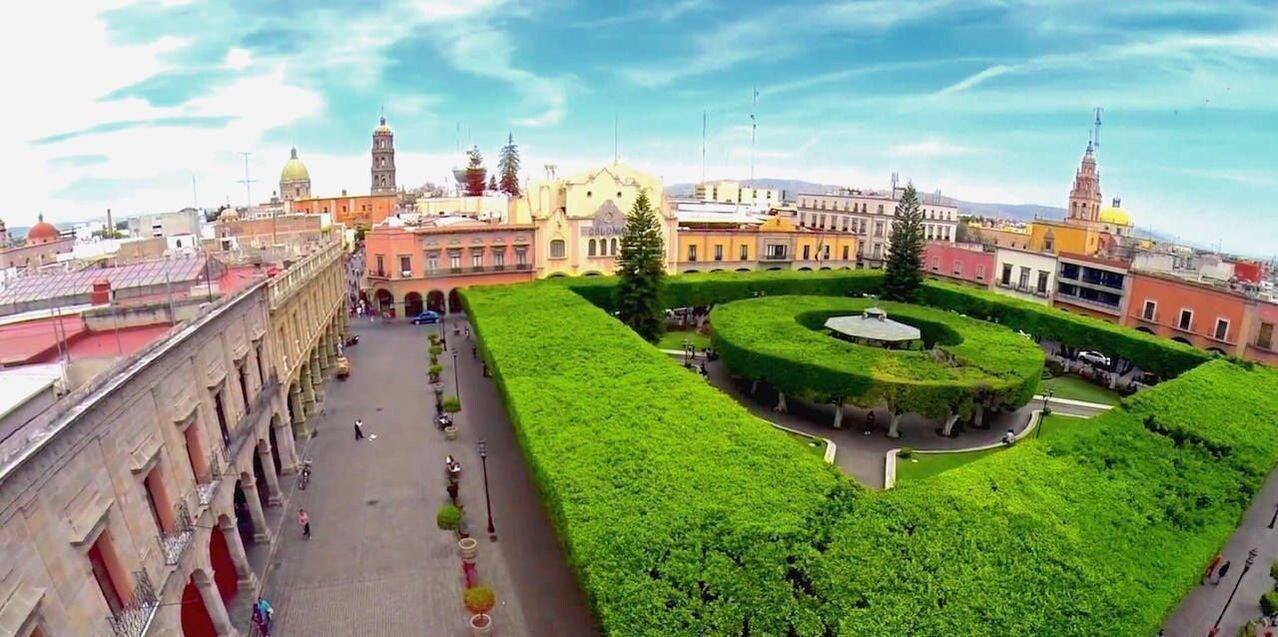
(448, 518)
(479, 600)
(436, 350)
(435, 370)
(452, 405)
(469, 548)
(450, 432)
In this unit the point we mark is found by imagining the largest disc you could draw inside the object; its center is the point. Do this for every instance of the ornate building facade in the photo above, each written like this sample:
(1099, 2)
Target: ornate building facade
(383, 166)
(295, 180)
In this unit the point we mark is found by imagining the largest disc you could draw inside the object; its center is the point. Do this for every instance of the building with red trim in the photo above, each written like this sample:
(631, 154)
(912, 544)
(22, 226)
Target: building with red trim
(965, 262)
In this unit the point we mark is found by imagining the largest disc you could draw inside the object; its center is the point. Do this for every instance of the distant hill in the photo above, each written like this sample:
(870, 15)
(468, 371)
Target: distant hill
(1018, 211)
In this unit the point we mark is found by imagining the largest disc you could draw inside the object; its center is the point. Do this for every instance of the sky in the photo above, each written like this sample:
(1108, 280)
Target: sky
(147, 106)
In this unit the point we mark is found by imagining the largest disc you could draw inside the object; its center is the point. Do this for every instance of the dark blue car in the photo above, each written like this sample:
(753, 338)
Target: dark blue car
(426, 318)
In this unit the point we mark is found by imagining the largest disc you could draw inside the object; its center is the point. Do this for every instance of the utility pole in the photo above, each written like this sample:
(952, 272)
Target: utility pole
(754, 126)
(248, 183)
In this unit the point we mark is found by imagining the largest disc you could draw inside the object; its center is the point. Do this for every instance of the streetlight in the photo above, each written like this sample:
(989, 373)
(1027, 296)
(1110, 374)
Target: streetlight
(483, 459)
(443, 333)
(1275, 518)
(1047, 411)
(687, 352)
(1251, 559)
(456, 385)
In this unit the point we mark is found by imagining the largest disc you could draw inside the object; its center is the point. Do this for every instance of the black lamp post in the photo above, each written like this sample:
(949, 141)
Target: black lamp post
(483, 460)
(1047, 411)
(1274, 519)
(1251, 559)
(456, 385)
(443, 333)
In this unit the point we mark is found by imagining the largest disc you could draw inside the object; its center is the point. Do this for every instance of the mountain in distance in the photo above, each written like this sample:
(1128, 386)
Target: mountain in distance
(791, 187)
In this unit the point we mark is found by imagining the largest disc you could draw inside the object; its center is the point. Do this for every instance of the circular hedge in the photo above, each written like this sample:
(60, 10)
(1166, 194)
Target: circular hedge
(967, 363)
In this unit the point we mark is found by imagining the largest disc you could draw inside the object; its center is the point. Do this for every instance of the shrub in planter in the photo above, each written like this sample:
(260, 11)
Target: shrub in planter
(435, 370)
(448, 517)
(1273, 570)
(436, 350)
(1269, 602)
(452, 405)
(433, 338)
(479, 599)
(905, 453)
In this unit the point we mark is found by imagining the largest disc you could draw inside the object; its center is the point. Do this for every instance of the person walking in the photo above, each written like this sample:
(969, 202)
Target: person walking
(267, 612)
(1220, 572)
(304, 521)
(259, 621)
(1211, 567)
(359, 429)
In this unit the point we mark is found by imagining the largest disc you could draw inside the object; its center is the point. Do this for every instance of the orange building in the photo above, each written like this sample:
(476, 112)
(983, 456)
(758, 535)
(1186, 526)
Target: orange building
(1193, 313)
(356, 210)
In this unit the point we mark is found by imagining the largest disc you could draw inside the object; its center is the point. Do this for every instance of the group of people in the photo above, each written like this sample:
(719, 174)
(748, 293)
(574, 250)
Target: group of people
(263, 616)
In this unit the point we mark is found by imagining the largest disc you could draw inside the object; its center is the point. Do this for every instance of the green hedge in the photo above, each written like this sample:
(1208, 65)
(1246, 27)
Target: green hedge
(779, 339)
(683, 515)
(689, 290)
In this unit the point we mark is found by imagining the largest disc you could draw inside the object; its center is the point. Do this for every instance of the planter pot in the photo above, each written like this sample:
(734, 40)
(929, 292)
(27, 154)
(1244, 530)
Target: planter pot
(481, 625)
(450, 432)
(469, 548)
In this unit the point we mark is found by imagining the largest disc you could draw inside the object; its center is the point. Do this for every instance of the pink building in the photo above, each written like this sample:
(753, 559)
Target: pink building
(417, 267)
(966, 262)
(1263, 344)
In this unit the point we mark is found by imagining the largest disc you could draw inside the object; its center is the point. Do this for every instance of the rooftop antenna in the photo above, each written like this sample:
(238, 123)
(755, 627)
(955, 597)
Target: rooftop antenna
(195, 196)
(1096, 130)
(703, 146)
(754, 126)
(248, 183)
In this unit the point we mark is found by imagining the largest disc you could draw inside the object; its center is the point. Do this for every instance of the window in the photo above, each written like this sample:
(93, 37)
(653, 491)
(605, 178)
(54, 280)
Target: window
(432, 262)
(261, 364)
(1222, 329)
(878, 228)
(775, 251)
(936, 264)
(454, 260)
(718, 252)
(878, 251)
(521, 256)
(745, 253)
(107, 571)
(845, 252)
(614, 247)
(958, 268)
(880, 208)
(1265, 337)
(825, 253)
(243, 375)
(405, 266)
(499, 259)
(590, 248)
(1186, 321)
(476, 260)
(1048, 243)
(220, 410)
(1150, 311)
(821, 223)
(1042, 282)
(980, 272)
(381, 268)
(807, 252)
(157, 500)
(1023, 283)
(556, 248)
(692, 252)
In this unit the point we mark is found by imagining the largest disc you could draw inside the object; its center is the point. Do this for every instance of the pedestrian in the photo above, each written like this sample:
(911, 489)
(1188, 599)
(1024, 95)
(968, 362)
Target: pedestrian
(1220, 572)
(258, 620)
(304, 521)
(359, 429)
(268, 614)
(474, 351)
(1009, 437)
(869, 423)
(1211, 567)
(452, 492)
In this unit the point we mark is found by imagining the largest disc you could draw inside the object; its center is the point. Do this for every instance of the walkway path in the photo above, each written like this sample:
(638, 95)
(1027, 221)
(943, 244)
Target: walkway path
(377, 564)
(860, 455)
(1198, 610)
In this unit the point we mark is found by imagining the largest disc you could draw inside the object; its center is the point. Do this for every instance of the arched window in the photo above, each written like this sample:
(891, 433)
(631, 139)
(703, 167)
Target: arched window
(556, 248)
(615, 251)
(591, 249)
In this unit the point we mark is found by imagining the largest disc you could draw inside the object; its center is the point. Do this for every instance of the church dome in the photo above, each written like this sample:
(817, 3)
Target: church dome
(382, 127)
(43, 232)
(230, 214)
(1115, 215)
(294, 169)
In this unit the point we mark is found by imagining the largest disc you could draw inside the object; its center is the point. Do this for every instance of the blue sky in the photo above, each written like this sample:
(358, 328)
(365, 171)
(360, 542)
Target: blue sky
(990, 100)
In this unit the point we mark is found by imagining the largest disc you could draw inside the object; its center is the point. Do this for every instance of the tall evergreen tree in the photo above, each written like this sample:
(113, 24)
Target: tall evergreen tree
(642, 271)
(475, 173)
(904, 270)
(508, 166)
(492, 183)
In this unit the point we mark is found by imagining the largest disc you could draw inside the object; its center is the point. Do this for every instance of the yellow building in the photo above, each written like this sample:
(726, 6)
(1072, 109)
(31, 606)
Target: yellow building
(1057, 237)
(580, 219)
(775, 244)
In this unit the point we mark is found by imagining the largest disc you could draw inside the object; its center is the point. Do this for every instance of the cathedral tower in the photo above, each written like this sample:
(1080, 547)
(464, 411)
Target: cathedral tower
(1085, 197)
(383, 159)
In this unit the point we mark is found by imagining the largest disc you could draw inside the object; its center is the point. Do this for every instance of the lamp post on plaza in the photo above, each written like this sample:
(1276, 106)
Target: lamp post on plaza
(1047, 411)
(483, 460)
(1274, 519)
(443, 333)
(1251, 559)
(456, 385)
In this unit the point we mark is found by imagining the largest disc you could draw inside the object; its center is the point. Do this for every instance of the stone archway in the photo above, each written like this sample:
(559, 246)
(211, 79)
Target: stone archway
(224, 575)
(454, 301)
(1144, 329)
(1182, 339)
(196, 621)
(275, 447)
(435, 301)
(412, 304)
(385, 301)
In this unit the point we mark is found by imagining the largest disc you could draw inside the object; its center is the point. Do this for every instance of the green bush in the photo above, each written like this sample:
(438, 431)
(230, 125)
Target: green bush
(451, 404)
(682, 514)
(479, 599)
(448, 517)
(435, 370)
(781, 340)
(905, 453)
(435, 351)
(1269, 602)
(1273, 570)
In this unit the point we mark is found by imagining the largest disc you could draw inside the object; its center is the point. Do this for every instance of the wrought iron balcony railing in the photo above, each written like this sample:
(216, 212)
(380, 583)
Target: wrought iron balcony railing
(174, 541)
(134, 618)
(207, 486)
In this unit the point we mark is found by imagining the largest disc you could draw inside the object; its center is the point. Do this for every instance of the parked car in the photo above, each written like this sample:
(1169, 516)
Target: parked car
(428, 317)
(1095, 358)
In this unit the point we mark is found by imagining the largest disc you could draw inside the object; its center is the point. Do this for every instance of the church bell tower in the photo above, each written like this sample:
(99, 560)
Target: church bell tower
(383, 159)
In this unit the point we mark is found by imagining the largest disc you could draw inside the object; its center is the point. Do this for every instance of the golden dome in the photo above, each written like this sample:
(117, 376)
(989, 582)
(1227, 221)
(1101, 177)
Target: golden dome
(1116, 216)
(294, 169)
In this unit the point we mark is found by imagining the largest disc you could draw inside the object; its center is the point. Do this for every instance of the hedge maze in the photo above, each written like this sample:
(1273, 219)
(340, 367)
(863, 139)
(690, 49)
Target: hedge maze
(682, 514)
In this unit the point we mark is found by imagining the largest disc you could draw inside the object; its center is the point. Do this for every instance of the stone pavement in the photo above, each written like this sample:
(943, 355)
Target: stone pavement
(1200, 608)
(377, 564)
(861, 456)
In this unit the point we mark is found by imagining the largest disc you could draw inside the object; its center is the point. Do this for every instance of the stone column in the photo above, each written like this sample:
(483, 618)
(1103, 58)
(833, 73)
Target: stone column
(308, 390)
(298, 411)
(325, 353)
(261, 534)
(893, 428)
(950, 419)
(216, 609)
(781, 407)
(317, 376)
(838, 415)
(248, 581)
(284, 443)
(273, 496)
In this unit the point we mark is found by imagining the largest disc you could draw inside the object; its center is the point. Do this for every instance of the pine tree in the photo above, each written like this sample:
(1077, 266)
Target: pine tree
(642, 272)
(508, 166)
(904, 270)
(492, 183)
(475, 173)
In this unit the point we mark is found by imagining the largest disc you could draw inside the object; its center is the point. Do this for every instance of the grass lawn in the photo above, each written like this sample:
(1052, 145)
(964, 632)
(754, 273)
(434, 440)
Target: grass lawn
(926, 465)
(1076, 388)
(674, 340)
(817, 445)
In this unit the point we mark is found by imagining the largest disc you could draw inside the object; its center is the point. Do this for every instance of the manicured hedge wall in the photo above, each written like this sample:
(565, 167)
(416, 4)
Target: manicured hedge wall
(688, 290)
(683, 515)
(780, 339)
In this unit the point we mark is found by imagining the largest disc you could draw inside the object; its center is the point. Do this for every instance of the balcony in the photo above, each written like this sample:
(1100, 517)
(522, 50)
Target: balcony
(482, 269)
(205, 487)
(378, 274)
(174, 542)
(1074, 299)
(1024, 289)
(1092, 282)
(776, 257)
(135, 618)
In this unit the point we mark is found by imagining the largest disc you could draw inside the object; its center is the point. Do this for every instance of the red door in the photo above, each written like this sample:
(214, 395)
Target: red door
(224, 574)
(195, 617)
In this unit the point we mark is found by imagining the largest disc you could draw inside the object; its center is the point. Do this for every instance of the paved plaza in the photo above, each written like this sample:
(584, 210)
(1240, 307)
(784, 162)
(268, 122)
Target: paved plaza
(377, 564)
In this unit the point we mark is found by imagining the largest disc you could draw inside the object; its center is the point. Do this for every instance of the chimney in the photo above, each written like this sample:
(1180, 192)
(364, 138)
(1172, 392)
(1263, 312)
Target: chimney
(101, 294)
(110, 229)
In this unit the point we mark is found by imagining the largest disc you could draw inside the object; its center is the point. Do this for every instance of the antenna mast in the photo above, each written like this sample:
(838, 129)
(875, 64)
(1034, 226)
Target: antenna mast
(248, 183)
(1096, 130)
(754, 125)
(703, 146)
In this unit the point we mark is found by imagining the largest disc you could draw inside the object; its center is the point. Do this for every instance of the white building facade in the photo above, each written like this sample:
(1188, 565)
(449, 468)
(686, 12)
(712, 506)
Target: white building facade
(870, 215)
(1025, 274)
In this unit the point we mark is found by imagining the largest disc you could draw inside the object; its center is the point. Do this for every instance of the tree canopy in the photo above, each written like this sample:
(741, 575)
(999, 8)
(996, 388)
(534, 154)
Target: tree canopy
(475, 173)
(904, 271)
(508, 167)
(642, 271)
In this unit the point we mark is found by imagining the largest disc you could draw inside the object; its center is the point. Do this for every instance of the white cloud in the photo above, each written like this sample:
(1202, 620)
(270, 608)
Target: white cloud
(975, 79)
(488, 53)
(237, 59)
(930, 148)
